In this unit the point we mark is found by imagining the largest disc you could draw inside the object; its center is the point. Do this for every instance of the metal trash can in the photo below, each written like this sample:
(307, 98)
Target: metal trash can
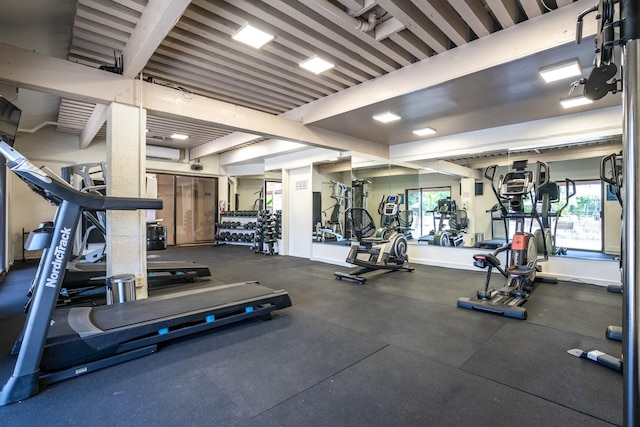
(478, 238)
(125, 287)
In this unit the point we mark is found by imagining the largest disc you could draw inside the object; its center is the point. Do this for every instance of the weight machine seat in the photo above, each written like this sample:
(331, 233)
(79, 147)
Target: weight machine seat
(490, 259)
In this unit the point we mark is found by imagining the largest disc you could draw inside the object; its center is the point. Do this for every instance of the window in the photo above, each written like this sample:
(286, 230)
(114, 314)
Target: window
(422, 202)
(580, 226)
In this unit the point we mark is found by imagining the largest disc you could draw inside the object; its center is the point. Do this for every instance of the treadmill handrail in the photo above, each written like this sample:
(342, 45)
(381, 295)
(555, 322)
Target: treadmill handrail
(53, 188)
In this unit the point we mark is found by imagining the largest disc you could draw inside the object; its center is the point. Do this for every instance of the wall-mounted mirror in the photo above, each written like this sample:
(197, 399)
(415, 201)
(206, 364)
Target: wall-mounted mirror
(332, 195)
(382, 189)
(439, 217)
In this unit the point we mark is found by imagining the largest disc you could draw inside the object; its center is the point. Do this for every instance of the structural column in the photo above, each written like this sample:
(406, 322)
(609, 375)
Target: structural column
(126, 230)
(467, 196)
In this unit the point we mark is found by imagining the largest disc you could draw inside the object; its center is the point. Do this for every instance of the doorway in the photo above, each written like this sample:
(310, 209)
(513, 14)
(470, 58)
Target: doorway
(189, 208)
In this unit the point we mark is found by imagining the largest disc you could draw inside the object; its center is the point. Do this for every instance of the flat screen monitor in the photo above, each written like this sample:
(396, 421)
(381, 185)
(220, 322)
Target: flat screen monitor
(9, 119)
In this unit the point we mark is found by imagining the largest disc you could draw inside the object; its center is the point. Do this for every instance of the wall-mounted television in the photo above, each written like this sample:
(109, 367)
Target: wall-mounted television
(9, 119)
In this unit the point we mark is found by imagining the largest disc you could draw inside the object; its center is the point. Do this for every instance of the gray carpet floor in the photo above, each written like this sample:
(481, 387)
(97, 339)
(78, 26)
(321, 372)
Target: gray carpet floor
(393, 352)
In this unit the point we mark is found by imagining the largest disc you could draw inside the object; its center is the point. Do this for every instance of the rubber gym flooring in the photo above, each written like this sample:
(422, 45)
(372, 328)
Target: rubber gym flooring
(393, 352)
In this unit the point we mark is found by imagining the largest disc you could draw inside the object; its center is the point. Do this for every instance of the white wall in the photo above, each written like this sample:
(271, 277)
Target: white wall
(54, 149)
(298, 211)
(248, 192)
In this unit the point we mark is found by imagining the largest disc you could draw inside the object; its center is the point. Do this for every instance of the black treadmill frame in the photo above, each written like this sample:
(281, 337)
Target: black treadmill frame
(124, 342)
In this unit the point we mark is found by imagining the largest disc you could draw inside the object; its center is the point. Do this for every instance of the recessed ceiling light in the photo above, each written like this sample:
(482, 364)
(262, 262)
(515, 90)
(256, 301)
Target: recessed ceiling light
(386, 117)
(179, 136)
(424, 131)
(562, 70)
(575, 101)
(316, 65)
(252, 36)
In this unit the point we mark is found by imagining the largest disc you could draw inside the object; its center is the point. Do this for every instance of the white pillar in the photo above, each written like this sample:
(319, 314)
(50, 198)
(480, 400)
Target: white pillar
(126, 230)
(467, 196)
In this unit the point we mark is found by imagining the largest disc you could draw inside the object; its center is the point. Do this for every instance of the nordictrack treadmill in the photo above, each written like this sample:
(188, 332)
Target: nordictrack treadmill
(63, 343)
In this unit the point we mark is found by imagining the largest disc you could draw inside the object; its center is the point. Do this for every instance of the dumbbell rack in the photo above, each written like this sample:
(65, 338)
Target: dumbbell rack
(236, 228)
(268, 232)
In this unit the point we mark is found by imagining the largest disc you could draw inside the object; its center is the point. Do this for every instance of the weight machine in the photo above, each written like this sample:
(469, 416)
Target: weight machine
(601, 81)
(332, 229)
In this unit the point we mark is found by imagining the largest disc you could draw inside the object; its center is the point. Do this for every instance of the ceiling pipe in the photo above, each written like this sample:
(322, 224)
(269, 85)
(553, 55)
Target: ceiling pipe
(38, 127)
(357, 23)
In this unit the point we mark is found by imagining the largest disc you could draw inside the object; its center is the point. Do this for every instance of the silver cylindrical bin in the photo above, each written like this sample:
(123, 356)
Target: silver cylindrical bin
(124, 286)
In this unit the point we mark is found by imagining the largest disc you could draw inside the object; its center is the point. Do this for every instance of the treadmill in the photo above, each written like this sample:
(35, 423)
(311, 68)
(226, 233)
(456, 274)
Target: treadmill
(67, 342)
(92, 272)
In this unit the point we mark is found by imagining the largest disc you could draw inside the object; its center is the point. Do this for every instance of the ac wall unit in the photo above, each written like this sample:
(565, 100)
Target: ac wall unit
(163, 153)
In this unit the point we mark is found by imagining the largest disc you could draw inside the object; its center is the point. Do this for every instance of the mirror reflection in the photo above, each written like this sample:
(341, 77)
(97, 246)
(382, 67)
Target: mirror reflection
(332, 195)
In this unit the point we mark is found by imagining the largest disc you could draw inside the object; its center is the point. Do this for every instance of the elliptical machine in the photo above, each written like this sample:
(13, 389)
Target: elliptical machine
(393, 220)
(457, 221)
(513, 187)
(379, 254)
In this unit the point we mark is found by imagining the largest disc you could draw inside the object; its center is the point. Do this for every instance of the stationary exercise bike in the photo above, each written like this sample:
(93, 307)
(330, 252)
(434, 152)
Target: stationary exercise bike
(523, 265)
(373, 254)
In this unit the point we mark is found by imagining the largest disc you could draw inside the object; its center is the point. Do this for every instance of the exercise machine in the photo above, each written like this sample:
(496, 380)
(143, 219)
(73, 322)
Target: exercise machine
(611, 174)
(67, 342)
(392, 219)
(496, 242)
(373, 254)
(547, 194)
(87, 270)
(332, 229)
(522, 269)
(457, 220)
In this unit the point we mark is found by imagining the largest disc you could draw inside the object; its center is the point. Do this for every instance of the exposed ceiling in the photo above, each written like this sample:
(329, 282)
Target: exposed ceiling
(198, 56)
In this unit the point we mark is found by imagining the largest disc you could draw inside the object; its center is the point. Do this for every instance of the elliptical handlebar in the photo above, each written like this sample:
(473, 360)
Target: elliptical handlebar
(490, 174)
(609, 165)
(542, 175)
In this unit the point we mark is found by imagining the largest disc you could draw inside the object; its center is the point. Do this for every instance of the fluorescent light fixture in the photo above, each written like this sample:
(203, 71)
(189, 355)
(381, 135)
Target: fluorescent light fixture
(386, 117)
(252, 36)
(179, 136)
(562, 70)
(575, 101)
(316, 65)
(424, 131)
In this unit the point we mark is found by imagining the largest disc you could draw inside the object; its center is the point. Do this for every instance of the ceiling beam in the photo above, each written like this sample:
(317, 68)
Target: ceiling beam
(75, 81)
(93, 125)
(30, 70)
(544, 133)
(448, 168)
(224, 143)
(164, 100)
(505, 11)
(157, 19)
(256, 151)
(527, 38)
(588, 152)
